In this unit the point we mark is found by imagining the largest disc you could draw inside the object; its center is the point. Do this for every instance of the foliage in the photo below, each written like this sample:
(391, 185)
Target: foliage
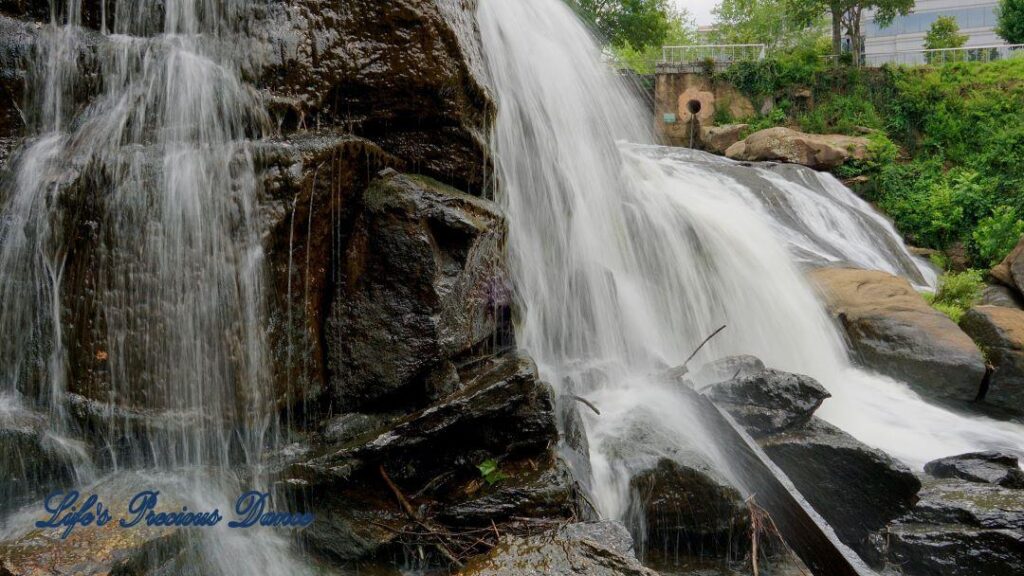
(1011, 21)
(637, 23)
(681, 31)
(958, 291)
(490, 472)
(794, 67)
(944, 33)
(998, 234)
(775, 23)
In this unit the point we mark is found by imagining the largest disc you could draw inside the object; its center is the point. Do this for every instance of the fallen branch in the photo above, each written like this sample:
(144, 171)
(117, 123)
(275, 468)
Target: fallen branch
(682, 370)
(411, 512)
(587, 403)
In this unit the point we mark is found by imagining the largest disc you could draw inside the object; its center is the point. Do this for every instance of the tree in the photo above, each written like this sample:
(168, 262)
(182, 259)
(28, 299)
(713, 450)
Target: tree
(682, 31)
(943, 33)
(636, 23)
(1011, 21)
(775, 23)
(846, 17)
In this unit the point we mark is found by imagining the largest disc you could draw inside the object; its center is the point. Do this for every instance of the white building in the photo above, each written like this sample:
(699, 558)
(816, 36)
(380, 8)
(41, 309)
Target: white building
(977, 19)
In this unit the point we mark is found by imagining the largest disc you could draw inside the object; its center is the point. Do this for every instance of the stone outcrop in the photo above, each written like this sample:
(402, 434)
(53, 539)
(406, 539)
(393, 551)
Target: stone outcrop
(858, 490)
(585, 549)
(718, 139)
(892, 330)
(500, 412)
(769, 401)
(423, 282)
(958, 528)
(819, 151)
(689, 509)
(999, 331)
(981, 467)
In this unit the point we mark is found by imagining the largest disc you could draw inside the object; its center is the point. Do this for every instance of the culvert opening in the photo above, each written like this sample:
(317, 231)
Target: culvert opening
(693, 106)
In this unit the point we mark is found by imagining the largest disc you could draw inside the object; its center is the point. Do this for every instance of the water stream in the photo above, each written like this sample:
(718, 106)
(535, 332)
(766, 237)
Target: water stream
(626, 255)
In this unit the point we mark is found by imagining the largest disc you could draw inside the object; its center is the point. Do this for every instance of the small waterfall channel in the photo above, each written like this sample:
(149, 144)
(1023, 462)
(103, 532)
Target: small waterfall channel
(175, 326)
(625, 256)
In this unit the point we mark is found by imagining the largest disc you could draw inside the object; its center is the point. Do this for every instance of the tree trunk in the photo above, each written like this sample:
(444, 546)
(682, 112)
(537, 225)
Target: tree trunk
(856, 42)
(837, 33)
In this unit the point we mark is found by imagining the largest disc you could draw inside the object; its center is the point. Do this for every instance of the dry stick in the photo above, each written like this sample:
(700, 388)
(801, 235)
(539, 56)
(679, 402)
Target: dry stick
(704, 343)
(411, 512)
(588, 404)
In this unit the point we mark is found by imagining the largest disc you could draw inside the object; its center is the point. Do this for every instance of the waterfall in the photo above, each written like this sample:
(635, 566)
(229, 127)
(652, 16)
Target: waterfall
(625, 256)
(152, 187)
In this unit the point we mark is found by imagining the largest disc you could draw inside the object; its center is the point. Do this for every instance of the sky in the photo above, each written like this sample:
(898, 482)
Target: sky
(699, 9)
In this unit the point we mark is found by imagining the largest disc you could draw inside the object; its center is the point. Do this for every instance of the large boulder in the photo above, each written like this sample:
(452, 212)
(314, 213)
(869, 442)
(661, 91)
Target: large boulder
(999, 331)
(584, 549)
(958, 528)
(820, 151)
(769, 401)
(718, 139)
(423, 282)
(689, 509)
(32, 460)
(1011, 270)
(982, 467)
(857, 489)
(892, 329)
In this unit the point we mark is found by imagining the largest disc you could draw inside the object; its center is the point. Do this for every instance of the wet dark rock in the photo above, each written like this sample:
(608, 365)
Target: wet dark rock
(857, 489)
(406, 74)
(983, 467)
(769, 401)
(689, 509)
(544, 492)
(502, 412)
(958, 528)
(999, 331)
(423, 283)
(726, 369)
(584, 549)
(574, 447)
(32, 462)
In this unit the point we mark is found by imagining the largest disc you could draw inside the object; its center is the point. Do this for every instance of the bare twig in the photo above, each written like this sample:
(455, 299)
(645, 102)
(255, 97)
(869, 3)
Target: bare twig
(587, 403)
(411, 512)
(704, 343)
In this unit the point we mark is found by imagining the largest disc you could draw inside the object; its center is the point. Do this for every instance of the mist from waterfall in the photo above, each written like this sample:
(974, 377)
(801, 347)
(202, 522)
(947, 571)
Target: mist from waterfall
(168, 250)
(625, 256)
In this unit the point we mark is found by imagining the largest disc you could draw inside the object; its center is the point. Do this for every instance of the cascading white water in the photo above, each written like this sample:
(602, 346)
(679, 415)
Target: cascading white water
(626, 257)
(176, 278)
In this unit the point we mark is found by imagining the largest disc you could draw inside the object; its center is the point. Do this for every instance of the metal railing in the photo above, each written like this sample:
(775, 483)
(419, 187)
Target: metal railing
(940, 56)
(720, 54)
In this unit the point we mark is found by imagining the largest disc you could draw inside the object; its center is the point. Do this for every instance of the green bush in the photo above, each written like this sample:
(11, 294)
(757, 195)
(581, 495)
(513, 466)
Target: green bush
(998, 234)
(957, 293)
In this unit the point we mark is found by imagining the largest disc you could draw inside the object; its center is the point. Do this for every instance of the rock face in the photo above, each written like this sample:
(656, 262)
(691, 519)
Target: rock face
(998, 295)
(587, 549)
(958, 529)
(689, 509)
(501, 413)
(405, 74)
(857, 489)
(423, 282)
(892, 329)
(32, 463)
(999, 331)
(819, 151)
(718, 139)
(769, 401)
(982, 467)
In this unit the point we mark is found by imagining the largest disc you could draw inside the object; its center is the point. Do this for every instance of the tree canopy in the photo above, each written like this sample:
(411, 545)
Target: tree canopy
(636, 23)
(774, 23)
(1011, 21)
(944, 33)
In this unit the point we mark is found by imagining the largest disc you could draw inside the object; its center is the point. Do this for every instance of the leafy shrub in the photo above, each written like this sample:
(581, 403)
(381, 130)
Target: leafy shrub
(958, 291)
(998, 234)
(1011, 21)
